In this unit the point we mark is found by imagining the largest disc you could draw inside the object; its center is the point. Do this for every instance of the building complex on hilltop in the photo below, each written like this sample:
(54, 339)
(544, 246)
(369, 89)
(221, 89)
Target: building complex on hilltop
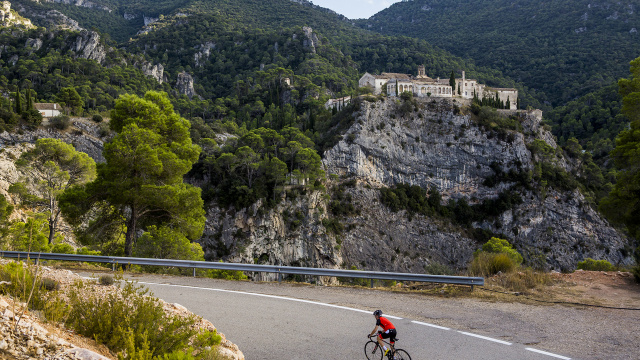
(424, 86)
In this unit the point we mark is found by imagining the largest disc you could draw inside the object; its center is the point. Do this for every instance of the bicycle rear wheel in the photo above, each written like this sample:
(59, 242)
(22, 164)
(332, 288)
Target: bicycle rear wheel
(401, 355)
(372, 350)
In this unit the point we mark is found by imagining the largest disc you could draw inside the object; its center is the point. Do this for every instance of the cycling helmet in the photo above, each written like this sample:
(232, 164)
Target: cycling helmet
(377, 313)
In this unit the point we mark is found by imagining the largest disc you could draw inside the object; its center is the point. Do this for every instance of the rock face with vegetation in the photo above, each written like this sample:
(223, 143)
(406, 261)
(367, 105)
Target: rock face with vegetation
(434, 147)
(490, 175)
(291, 234)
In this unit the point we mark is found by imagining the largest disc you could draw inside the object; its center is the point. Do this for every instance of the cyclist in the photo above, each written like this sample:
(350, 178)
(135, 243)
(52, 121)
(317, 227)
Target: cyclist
(388, 330)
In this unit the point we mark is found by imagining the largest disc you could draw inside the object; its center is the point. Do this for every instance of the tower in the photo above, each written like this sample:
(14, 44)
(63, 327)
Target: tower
(421, 72)
(463, 84)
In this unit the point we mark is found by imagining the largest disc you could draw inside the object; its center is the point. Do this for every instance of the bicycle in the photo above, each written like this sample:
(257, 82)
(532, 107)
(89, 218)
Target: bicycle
(373, 351)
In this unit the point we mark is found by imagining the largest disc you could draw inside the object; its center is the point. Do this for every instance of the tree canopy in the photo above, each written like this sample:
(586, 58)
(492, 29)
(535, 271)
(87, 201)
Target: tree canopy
(623, 203)
(56, 166)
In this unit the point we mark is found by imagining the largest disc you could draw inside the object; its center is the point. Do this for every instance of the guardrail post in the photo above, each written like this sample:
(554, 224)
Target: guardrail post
(194, 272)
(372, 283)
(113, 266)
(279, 276)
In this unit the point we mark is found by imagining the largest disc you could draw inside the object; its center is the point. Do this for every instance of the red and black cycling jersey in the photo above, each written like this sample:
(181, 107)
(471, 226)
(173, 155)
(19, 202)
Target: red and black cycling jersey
(385, 324)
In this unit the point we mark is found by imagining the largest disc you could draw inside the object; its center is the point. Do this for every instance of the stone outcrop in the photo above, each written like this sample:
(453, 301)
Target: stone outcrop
(290, 234)
(10, 18)
(155, 71)
(33, 44)
(86, 138)
(55, 20)
(87, 45)
(204, 52)
(311, 40)
(184, 85)
(81, 3)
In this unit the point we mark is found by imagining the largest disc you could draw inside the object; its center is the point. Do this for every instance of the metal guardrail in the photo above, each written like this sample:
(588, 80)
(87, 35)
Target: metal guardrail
(114, 260)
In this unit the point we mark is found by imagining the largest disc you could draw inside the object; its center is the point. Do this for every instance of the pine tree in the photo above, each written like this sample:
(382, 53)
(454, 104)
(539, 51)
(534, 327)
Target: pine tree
(29, 101)
(18, 102)
(452, 81)
(508, 103)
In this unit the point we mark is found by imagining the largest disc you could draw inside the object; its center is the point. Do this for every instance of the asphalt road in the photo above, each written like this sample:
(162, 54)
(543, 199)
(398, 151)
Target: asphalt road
(288, 321)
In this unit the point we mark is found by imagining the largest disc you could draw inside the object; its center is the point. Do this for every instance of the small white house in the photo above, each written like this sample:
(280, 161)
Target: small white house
(48, 109)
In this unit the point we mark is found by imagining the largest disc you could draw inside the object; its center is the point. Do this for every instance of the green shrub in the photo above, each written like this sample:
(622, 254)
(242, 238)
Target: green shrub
(60, 122)
(436, 268)
(523, 280)
(103, 130)
(63, 248)
(50, 284)
(489, 264)
(109, 318)
(333, 225)
(595, 265)
(226, 274)
(84, 251)
(106, 280)
(495, 245)
(20, 283)
(96, 118)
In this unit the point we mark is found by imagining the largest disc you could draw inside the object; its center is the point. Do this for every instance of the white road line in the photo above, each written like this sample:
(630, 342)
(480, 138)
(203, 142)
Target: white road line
(431, 325)
(548, 353)
(272, 297)
(485, 338)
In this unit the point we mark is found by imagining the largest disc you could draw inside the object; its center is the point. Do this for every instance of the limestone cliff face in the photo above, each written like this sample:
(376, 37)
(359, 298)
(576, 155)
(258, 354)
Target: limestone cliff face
(88, 46)
(434, 147)
(311, 40)
(11, 18)
(290, 234)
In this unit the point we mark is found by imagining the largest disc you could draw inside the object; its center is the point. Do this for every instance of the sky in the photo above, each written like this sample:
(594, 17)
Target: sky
(355, 9)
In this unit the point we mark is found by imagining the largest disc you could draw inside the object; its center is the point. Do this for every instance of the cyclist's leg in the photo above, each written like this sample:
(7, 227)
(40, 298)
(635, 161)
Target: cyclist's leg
(384, 335)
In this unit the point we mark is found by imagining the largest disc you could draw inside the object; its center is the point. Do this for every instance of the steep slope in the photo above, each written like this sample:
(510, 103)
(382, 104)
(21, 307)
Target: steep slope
(562, 49)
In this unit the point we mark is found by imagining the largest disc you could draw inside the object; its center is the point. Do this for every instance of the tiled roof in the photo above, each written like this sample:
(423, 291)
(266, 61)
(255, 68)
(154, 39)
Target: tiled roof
(47, 106)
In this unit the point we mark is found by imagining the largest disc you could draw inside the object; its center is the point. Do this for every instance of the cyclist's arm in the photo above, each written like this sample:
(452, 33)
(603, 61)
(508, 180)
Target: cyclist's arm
(374, 330)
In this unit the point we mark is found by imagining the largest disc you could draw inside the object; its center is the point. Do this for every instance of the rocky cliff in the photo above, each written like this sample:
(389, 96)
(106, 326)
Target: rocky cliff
(433, 147)
(436, 146)
(9, 17)
(83, 135)
(184, 85)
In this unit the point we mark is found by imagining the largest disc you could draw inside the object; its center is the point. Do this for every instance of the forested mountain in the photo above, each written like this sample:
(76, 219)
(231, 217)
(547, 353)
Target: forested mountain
(560, 49)
(248, 81)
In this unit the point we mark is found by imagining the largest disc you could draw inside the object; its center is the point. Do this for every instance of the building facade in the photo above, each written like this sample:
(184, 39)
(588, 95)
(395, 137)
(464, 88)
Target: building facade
(424, 86)
(47, 109)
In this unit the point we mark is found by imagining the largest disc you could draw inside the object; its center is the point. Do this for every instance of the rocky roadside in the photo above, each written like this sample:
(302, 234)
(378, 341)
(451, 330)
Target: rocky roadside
(24, 335)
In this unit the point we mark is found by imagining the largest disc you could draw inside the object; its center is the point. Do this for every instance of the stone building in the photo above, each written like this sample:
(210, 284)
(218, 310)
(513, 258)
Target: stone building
(424, 86)
(48, 109)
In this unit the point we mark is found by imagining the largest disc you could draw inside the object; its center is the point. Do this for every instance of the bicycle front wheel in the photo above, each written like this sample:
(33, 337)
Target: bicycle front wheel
(401, 355)
(372, 350)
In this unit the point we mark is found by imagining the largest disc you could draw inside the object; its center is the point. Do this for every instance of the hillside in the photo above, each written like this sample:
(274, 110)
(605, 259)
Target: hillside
(559, 49)
(285, 180)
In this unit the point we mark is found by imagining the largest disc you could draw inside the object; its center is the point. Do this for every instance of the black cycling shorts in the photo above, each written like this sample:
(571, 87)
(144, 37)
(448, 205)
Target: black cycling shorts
(389, 334)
